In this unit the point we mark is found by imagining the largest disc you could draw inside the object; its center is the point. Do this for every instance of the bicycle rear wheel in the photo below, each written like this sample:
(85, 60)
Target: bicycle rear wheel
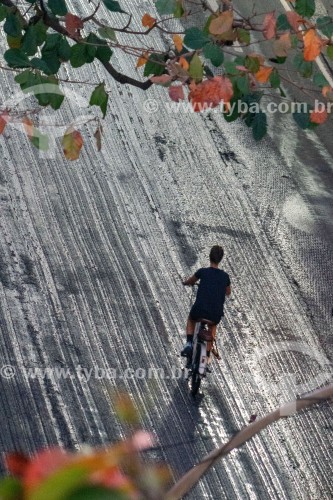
(196, 377)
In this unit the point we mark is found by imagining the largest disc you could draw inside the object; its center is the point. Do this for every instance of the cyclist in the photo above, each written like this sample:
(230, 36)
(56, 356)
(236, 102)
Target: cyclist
(213, 287)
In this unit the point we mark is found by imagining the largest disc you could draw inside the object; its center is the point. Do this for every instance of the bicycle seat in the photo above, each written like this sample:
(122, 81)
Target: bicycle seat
(206, 321)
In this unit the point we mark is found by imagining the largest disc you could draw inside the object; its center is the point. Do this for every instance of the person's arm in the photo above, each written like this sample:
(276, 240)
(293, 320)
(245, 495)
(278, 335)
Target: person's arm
(190, 281)
(228, 288)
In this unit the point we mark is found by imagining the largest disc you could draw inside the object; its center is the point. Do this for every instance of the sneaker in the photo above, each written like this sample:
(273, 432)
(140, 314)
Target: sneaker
(187, 349)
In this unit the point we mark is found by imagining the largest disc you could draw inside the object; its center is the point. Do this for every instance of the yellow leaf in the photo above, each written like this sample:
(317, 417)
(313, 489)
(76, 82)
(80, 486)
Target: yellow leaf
(222, 23)
(72, 143)
(148, 21)
(312, 45)
(263, 74)
(178, 41)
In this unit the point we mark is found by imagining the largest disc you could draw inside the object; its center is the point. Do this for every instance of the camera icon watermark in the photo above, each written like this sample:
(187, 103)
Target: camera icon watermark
(286, 385)
(47, 124)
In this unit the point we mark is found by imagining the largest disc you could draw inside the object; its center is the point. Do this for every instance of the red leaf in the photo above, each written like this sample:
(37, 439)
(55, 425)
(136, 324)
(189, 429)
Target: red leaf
(294, 20)
(210, 93)
(176, 93)
(269, 25)
(43, 465)
(161, 79)
(17, 463)
(222, 23)
(73, 24)
(319, 116)
(72, 143)
(4, 119)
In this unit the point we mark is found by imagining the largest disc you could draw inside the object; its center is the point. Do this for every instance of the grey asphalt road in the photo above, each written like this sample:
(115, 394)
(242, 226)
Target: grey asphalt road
(91, 261)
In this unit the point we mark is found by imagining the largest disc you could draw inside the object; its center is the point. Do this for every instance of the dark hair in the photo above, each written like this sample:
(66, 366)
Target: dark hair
(216, 254)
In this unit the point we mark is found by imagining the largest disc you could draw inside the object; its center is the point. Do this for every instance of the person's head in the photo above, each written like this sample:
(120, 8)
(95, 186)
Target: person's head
(216, 254)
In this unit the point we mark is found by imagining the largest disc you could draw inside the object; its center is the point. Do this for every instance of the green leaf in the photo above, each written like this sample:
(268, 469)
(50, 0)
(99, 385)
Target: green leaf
(325, 25)
(61, 483)
(302, 119)
(230, 68)
(64, 50)
(243, 36)
(14, 43)
(16, 58)
(214, 53)
(97, 493)
(39, 140)
(155, 65)
(329, 51)
(165, 6)
(195, 38)
(305, 7)
(259, 125)
(10, 488)
(3, 12)
(42, 65)
(52, 41)
(234, 114)
(196, 68)
(320, 80)
(282, 23)
(274, 79)
(58, 7)
(104, 53)
(82, 53)
(29, 42)
(50, 62)
(100, 98)
(179, 11)
(113, 6)
(108, 33)
(305, 68)
(243, 84)
(252, 64)
(13, 26)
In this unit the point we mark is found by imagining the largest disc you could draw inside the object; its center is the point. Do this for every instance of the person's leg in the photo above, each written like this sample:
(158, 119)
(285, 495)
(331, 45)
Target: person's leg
(190, 326)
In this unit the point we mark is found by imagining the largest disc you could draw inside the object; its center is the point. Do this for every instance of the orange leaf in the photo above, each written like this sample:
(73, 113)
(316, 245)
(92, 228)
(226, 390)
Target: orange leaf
(176, 93)
(142, 60)
(28, 126)
(210, 93)
(178, 41)
(327, 92)
(222, 23)
(183, 62)
(148, 21)
(263, 74)
(282, 45)
(318, 116)
(312, 45)
(73, 24)
(269, 26)
(4, 118)
(72, 143)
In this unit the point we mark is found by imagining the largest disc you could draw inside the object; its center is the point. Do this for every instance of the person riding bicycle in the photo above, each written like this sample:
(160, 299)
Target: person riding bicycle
(213, 287)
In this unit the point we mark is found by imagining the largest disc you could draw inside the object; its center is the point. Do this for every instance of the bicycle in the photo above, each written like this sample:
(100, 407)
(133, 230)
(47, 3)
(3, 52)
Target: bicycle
(198, 361)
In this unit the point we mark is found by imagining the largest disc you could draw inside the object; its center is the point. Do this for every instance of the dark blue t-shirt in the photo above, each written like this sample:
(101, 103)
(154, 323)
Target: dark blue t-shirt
(211, 294)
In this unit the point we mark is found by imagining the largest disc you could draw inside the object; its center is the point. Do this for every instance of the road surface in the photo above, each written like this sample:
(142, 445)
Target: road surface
(91, 261)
